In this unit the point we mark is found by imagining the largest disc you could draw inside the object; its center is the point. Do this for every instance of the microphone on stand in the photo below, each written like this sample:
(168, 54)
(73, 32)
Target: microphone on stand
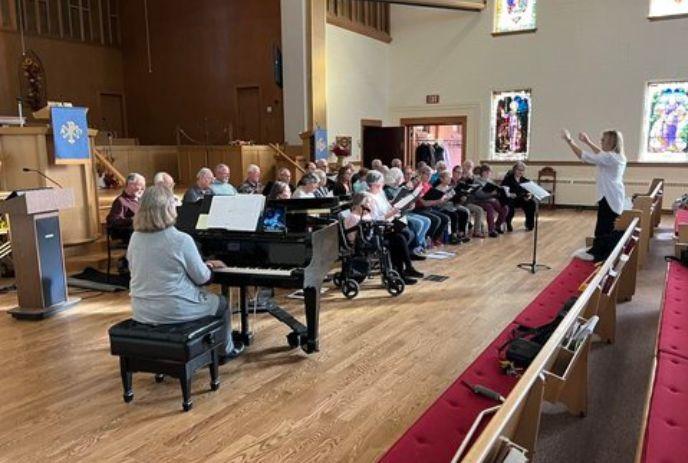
(26, 169)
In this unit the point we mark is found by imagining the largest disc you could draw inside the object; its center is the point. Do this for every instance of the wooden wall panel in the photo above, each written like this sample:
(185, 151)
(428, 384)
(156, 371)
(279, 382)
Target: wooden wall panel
(200, 53)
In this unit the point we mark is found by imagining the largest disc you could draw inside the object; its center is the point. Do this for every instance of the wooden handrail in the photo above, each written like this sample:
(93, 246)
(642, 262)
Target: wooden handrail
(658, 188)
(277, 150)
(108, 165)
(485, 443)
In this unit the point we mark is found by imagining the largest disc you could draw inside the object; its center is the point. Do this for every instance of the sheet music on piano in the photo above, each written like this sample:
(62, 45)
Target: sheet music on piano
(236, 213)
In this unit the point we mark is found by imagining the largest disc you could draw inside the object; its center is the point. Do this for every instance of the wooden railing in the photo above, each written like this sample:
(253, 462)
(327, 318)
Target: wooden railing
(650, 207)
(556, 373)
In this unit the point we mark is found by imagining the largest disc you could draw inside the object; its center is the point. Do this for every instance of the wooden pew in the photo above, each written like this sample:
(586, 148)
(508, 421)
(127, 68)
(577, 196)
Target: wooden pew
(556, 374)
(657, 441)
(650, 207)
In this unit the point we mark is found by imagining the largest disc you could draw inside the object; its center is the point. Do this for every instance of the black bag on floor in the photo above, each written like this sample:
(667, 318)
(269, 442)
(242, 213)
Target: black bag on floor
(525, 342)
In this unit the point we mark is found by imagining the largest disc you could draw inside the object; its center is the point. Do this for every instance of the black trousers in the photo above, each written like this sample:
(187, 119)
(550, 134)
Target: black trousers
(605, 218)
(528, 206)
(399, 251)
(438, 222)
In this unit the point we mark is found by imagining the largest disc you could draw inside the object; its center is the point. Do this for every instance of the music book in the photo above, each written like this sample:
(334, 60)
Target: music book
(435, 194)
(536, 190)
(236, 213)
(406, 198)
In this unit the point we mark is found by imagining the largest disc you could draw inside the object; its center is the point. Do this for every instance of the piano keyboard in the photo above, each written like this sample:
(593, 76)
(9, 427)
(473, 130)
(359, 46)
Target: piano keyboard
(280, 272)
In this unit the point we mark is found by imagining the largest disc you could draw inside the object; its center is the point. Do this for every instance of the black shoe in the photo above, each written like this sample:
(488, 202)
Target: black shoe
(415, 256)
(410, 281)
(500, 231)
(509, 228)
(493, 234)
(465, 239)
(529, 228)
(234, 353)
(453, 239)
(413, 273)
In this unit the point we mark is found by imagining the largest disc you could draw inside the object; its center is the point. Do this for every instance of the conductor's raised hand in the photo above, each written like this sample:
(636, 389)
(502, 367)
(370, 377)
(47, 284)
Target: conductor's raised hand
(565, 134)
(584, 137)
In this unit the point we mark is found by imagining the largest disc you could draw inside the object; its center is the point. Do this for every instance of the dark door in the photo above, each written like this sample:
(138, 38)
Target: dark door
(248, 114)
(384, 143)
(112, 114)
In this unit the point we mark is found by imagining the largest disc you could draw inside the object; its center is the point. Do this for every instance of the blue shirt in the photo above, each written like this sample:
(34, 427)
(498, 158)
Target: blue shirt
(223, 189)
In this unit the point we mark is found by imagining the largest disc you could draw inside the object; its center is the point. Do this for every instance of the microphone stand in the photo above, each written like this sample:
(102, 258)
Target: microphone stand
(26, 169)
(533, 266)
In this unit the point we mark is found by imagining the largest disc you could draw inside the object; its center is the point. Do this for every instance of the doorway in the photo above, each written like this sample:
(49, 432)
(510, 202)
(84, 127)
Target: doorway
(112, 115)
(435, 139)
(248, 114)
(383, 143)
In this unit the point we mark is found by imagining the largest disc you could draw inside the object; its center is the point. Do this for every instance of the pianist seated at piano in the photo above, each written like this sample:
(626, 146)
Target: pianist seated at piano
(168, 273)
(284, 176)
(204, 178)
(279, 190)
(221, 185)
(363, 208)
(307, 186)
(120, 218)
(252, 185)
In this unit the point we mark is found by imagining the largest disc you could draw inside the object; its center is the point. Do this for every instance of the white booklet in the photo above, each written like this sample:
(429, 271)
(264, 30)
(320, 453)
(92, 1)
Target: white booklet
(536, 190)
(408, 199)
(236, 213)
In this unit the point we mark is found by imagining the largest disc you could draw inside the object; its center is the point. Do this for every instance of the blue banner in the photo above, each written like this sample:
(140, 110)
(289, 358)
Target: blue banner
(70, 134)
(321, 150)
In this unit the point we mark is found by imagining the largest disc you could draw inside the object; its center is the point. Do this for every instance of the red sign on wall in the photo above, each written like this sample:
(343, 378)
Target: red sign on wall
(432, 99)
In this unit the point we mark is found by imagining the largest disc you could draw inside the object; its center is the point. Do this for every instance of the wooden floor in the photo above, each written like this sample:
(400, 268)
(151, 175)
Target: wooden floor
(383, 361)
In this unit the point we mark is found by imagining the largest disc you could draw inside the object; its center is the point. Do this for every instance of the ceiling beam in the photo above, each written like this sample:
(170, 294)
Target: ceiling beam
(461, 5)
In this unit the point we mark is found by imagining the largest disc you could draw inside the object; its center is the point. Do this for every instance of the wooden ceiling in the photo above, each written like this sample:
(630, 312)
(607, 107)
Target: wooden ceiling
(464, 5)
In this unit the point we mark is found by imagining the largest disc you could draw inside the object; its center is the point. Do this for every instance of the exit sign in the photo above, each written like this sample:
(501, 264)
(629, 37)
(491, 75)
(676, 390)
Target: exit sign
(432, 99)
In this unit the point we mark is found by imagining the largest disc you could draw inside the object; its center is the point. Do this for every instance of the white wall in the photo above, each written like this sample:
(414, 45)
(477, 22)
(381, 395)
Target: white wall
(357, 83)
(295, 71)
(587, 65)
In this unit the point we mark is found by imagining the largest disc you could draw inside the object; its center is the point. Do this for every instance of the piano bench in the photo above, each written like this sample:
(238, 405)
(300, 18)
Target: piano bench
(177, 350)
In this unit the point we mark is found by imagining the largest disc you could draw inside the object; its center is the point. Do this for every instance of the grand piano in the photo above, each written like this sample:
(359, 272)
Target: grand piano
(297, 258)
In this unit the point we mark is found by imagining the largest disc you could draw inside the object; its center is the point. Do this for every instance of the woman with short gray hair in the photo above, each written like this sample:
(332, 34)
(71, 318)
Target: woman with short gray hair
(307, 186)
(167, 272)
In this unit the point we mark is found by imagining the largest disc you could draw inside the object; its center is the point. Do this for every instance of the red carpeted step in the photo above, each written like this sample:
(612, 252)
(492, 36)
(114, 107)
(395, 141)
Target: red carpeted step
(666, 434)
(437, 434)
(673, 329)
(681, 219)
(548, 303)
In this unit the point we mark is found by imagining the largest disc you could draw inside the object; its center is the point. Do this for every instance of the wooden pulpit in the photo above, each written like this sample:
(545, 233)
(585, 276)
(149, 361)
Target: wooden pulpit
(37, 250)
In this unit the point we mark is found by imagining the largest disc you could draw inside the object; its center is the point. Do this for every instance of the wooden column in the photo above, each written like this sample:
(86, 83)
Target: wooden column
(317, 64)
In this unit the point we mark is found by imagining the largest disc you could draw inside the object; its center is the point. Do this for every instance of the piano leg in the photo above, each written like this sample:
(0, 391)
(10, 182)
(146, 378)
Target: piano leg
(312, 303)
(243, 301)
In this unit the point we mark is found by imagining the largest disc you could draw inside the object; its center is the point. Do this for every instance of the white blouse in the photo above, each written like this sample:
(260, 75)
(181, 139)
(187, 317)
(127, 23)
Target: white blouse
(610, 172)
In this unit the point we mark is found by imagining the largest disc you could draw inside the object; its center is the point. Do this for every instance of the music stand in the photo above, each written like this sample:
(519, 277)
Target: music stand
(539, 194)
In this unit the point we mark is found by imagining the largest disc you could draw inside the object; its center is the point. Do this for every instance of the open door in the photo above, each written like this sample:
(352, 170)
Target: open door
(384, 143)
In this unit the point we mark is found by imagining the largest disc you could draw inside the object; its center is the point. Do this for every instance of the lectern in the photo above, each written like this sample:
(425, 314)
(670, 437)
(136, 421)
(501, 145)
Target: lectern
(37, 250)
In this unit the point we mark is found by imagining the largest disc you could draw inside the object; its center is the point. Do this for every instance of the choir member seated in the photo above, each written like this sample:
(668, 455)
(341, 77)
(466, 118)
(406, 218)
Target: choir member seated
(280, 190)
(166, 180)
(284, 176)
(121, 216)
(487, 197)
(306, 189)
(325, 167)
(463, 187)
(252, 184)
(322, 191)
(342, 184)
(204, 178)
(120, 219)
(519, 196)
(221, 185)
(168, 273)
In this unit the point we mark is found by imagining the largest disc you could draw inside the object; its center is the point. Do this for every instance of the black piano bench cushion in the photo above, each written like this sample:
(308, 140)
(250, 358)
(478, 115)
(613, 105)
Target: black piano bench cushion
(178, 342)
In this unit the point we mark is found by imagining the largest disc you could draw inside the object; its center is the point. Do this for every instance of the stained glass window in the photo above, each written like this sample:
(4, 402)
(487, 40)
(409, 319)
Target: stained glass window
(514, 16)
(664, 8)
(665, 124)
(510, 125)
